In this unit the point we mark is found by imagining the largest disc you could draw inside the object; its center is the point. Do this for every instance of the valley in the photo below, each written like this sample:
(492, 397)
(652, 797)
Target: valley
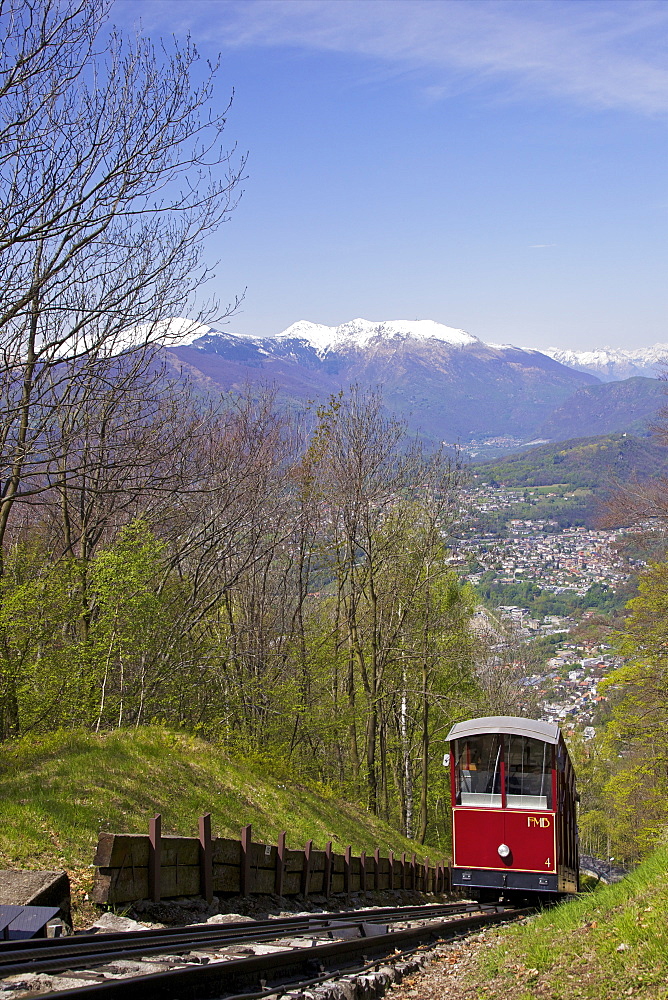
(549, 575)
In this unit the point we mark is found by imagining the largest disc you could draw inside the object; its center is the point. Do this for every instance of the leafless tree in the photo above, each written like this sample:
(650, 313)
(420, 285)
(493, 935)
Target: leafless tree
(111, 175)
(503, 658)
(375, 486)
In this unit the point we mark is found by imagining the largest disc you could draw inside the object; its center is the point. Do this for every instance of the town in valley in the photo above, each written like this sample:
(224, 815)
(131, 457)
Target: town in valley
(553, 585)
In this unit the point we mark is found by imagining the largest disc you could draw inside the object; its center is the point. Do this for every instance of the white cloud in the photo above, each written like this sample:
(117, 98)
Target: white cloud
(605, 54)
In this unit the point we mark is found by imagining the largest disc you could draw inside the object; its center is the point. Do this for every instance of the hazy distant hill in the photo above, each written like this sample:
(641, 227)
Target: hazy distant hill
(628, 405)
(596, 462)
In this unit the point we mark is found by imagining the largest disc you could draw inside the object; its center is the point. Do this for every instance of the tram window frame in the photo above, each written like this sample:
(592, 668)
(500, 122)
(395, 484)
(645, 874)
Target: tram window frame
(482, 756)
(528, 786)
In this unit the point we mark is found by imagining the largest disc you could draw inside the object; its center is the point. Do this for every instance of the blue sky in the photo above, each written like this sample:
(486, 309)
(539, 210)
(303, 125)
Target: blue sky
(496, 166)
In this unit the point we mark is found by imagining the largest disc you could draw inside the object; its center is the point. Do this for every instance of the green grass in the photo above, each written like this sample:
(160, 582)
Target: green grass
(58, 792)
(573, 951)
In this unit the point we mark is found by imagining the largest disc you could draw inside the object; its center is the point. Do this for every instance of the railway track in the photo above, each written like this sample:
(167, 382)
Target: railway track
(265, 958)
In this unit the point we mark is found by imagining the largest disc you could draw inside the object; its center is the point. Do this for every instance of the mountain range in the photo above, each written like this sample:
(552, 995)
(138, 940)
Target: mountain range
(611, 364)
(446, 383)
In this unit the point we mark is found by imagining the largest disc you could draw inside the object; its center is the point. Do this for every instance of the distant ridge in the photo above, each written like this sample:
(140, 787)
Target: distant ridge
(448, 384)
(630, 405)
(612, 364)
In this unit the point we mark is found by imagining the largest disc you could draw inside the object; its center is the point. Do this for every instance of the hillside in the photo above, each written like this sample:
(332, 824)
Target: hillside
(57, 792)
(628, 405)
(610, 944)
(594, 462)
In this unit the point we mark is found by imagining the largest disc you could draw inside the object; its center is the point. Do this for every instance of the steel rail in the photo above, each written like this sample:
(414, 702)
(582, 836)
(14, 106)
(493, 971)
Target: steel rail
(375, 913)
(339, 973)
(52, 954)
(199, 982)
(325, 977)
(88, 959)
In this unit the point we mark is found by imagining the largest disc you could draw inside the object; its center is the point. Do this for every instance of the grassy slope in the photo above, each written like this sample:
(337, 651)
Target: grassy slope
(57, 792)
(571, 952)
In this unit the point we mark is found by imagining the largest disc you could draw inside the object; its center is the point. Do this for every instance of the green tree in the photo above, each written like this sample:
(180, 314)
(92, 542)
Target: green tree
(637, 734)
(42, 679)
(129, 616)
(105, 671)
(372, 485)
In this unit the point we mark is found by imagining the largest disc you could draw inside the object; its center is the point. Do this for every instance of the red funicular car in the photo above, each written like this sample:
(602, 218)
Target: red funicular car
(513, 808)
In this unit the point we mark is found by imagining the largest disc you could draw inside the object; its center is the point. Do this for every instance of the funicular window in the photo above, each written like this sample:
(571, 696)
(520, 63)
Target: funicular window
(528, 773)
(478, 766)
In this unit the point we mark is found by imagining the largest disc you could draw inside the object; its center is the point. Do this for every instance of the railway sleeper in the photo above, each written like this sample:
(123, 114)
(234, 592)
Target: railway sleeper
(226, 973)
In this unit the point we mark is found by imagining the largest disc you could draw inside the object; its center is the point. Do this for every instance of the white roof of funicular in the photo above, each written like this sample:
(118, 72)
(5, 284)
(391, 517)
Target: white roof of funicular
(548, 732)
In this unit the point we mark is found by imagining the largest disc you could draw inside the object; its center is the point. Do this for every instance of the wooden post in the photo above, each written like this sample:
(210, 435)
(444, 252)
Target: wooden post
(376, 865)
(328, 870)
(403, 870)
(154, 857)
(391, 869)
(346, 869)
(205, 857)
(280, 864)
(245, 871)
(426, 874)
(413, 871)
(363, 871)
(447, 883)
(306, 868)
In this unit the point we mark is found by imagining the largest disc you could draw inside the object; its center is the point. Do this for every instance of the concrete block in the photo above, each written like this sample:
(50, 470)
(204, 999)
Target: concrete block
(37, 888)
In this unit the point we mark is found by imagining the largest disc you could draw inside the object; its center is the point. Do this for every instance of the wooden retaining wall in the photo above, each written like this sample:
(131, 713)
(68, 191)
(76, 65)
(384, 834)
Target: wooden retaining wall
(153, 866)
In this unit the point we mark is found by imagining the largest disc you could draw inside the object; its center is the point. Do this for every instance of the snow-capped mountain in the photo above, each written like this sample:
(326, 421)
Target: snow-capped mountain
(360, 333)
(356, 334)
(444, 381)
(612, 364)
(606, 363)
(447, 383)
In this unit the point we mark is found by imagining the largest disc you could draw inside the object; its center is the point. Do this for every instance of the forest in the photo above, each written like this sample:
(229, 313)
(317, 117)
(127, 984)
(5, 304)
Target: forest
(274, 581)
(285, 594)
